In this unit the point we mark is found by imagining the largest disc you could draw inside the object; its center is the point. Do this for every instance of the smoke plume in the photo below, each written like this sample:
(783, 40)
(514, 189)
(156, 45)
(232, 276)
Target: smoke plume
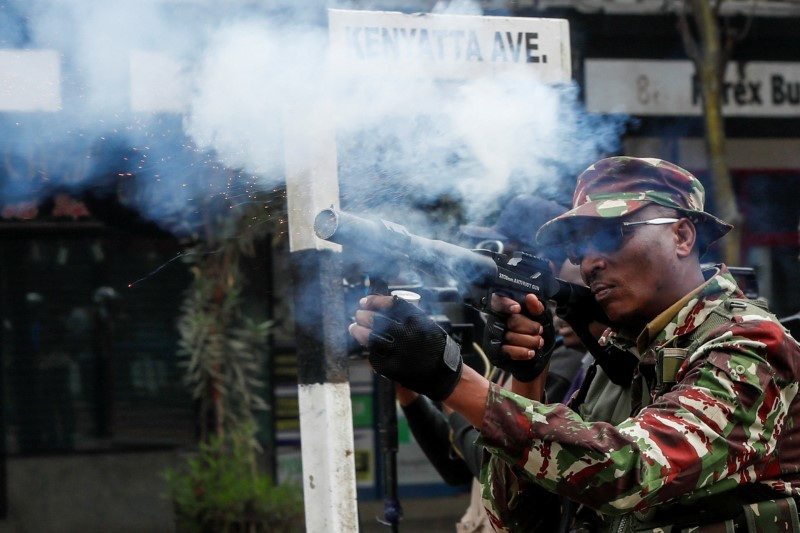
(230, 75)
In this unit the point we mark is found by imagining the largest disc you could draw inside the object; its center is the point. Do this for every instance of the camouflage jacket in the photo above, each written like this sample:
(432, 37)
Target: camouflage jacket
(731, 418)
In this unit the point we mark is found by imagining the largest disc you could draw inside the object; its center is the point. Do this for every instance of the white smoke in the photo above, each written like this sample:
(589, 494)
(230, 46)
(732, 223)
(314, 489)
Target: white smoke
(247, 67)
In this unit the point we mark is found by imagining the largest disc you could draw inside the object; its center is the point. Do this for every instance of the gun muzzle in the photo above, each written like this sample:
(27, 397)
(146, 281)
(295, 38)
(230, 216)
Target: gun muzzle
(325, 223)
(346, 229)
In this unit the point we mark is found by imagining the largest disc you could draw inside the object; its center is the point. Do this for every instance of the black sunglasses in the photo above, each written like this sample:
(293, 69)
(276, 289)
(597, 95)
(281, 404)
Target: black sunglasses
(607, 238)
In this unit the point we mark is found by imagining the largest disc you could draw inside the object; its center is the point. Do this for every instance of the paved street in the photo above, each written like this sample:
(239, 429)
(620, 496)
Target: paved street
(430, 515)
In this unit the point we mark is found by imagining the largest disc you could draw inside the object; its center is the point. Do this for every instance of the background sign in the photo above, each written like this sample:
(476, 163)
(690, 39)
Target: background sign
(644, 87)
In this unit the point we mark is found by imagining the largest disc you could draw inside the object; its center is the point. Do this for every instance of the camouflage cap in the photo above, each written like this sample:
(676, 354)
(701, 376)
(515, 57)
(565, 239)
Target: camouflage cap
(618, 186)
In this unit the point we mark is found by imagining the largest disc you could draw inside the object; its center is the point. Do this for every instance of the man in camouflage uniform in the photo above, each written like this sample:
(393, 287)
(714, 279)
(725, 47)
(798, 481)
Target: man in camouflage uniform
(709, 436)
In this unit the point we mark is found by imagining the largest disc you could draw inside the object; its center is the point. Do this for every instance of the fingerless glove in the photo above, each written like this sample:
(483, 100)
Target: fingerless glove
(409, 347)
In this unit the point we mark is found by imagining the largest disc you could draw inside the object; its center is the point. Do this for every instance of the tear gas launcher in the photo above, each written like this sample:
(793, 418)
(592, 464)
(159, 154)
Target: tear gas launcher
(383, 247)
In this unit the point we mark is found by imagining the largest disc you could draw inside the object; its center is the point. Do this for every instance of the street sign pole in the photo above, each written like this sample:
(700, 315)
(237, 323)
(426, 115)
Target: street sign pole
(326, 430)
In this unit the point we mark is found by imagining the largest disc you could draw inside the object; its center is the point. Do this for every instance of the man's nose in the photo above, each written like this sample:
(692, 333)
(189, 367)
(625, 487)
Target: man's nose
(591, 260)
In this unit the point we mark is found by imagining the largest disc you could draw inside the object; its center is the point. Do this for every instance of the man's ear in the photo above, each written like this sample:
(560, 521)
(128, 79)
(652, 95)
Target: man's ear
(685, 237)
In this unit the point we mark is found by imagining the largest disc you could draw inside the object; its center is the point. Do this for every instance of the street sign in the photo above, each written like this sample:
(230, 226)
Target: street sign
(448, 46)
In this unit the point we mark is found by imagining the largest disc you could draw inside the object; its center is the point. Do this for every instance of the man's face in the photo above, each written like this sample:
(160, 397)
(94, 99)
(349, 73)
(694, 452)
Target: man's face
(633, 278)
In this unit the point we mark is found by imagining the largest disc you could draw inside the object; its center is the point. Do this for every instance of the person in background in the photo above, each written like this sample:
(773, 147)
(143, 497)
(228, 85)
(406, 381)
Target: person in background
(515, 228)
(566, 373)
(709, 437)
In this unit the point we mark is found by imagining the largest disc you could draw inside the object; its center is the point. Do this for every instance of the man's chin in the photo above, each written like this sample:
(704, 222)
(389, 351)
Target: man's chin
(613, 312)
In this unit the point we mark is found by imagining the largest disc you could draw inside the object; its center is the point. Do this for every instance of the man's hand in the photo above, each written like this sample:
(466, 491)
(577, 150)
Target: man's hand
(407, 346)
(520, 345)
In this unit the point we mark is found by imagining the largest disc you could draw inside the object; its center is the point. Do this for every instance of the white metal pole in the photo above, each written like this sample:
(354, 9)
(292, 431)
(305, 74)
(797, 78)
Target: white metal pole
(326, 431)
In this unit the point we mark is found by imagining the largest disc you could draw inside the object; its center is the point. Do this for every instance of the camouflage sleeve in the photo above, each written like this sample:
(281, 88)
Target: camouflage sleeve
(529, 506)
(716, 429)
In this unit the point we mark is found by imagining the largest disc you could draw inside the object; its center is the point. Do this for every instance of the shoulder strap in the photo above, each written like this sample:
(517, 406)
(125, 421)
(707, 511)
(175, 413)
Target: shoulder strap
(673, 358)
(723, 314)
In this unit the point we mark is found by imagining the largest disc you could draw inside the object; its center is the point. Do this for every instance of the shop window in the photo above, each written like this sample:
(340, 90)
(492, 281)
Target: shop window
(88, 361)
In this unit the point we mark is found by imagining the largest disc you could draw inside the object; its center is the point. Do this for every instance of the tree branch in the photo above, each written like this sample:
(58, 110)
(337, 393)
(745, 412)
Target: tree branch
(689, 43)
